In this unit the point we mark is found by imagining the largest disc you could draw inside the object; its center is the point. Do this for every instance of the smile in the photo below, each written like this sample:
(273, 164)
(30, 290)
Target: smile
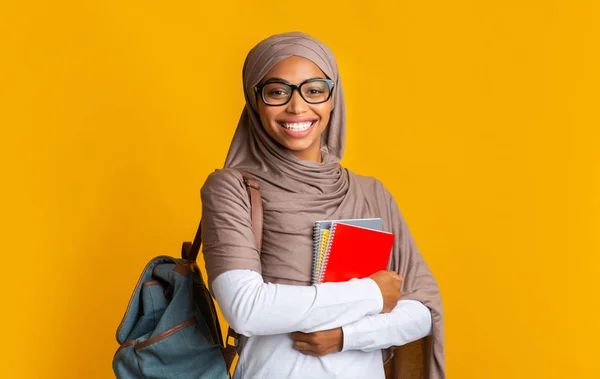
(297, 126)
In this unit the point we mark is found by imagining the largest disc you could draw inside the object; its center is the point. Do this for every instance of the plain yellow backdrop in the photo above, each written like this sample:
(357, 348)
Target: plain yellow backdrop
(482, 117)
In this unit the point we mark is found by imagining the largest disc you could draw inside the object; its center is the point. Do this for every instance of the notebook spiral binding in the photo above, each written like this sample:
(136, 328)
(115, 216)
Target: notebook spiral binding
(322, 248)
(327, 249)
(316, 249)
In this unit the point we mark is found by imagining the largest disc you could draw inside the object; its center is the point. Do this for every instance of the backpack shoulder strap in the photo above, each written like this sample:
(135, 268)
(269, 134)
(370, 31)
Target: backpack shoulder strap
(190, 251)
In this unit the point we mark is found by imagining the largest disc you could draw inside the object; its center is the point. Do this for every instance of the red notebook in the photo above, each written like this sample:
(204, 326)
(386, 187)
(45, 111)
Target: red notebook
(355, 252)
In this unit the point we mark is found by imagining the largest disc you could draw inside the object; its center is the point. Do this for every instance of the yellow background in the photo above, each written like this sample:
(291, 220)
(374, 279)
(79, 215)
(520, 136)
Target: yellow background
(482, 117)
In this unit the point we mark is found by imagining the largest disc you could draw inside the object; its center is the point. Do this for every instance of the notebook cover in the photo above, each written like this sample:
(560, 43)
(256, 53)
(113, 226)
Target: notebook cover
(355, 252)
(322, 225)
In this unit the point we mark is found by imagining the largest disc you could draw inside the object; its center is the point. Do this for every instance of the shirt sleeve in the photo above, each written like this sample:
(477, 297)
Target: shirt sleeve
(228, 242)
(409, 321)
(253, 307)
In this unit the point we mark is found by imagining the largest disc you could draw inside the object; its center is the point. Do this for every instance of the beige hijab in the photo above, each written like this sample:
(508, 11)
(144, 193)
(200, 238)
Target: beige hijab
(296, 193)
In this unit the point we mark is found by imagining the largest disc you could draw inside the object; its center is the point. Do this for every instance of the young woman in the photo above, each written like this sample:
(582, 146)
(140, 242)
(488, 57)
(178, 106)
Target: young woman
(290, 138)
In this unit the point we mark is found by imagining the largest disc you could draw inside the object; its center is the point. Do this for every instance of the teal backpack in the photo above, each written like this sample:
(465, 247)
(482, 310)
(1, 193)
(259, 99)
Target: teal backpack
(170, 329)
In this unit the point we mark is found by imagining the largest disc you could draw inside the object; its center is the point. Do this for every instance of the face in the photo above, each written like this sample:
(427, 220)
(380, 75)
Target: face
(297, 125)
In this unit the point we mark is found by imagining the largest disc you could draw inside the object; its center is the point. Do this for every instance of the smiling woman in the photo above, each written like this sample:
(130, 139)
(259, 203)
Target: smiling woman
(291, 138)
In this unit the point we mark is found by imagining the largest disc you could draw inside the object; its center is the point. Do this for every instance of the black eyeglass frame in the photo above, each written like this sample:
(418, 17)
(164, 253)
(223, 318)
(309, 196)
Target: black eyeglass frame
(259, 90)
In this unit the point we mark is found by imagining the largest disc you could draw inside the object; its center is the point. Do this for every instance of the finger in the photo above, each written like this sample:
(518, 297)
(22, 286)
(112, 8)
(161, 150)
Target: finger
(317, 353)
(300, 336)
(311, 353)
(308, 349)
(300, 345)
(304, 346)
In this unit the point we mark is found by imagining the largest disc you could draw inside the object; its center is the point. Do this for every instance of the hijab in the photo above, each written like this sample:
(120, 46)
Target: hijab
(296, 193)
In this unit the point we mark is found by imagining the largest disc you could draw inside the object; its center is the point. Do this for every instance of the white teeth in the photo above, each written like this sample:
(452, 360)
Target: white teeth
(298, 126)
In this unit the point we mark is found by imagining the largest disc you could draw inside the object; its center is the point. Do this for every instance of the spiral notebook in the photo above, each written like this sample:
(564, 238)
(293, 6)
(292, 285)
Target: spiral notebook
(321, 234)
(354, 252)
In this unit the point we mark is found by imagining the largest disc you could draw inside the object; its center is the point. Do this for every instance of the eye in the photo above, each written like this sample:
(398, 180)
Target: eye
(276, 90)
(315, 91)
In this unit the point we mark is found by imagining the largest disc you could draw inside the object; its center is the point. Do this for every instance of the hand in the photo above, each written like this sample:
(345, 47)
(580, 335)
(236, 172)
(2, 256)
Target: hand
(389, 283)
(319, 343)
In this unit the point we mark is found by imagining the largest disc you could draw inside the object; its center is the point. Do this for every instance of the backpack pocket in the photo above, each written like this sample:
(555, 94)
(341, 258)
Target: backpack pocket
(180, 352)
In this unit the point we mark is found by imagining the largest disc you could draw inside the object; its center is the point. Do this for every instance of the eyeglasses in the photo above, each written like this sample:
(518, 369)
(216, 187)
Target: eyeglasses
(313, 91)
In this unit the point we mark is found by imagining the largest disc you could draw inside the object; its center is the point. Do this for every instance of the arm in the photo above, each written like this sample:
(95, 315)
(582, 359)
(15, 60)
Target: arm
(233, 264)
(414, 317)
(409, 321)
(253, 307)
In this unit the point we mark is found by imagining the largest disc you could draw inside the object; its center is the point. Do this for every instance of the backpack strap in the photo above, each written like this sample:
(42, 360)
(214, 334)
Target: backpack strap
(189, 251)
(253, 188)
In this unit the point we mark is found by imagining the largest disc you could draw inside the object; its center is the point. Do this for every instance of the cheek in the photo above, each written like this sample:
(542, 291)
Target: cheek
(265, 114)
(324, 113)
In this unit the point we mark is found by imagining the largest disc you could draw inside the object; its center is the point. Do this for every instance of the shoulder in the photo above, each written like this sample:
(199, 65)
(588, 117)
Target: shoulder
(370, 185)
(223, 178)
(376, 193)
(223, 182)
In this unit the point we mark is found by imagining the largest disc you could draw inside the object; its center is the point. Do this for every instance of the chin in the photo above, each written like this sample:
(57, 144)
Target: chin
(295, 148)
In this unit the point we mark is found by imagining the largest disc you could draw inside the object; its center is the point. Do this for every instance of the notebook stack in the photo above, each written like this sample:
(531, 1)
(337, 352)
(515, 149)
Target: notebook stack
(351, 248)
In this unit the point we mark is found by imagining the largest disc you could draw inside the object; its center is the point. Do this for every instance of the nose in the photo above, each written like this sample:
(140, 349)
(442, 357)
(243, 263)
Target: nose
(297, 105)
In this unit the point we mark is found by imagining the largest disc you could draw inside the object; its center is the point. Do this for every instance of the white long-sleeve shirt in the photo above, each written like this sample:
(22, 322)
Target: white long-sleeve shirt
(265, 314)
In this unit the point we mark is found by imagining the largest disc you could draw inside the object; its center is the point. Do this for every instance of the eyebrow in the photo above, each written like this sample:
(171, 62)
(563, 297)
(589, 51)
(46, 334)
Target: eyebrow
(276, 79)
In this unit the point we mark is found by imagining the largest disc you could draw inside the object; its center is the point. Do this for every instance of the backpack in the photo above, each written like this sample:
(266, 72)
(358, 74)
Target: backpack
(170, 329)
